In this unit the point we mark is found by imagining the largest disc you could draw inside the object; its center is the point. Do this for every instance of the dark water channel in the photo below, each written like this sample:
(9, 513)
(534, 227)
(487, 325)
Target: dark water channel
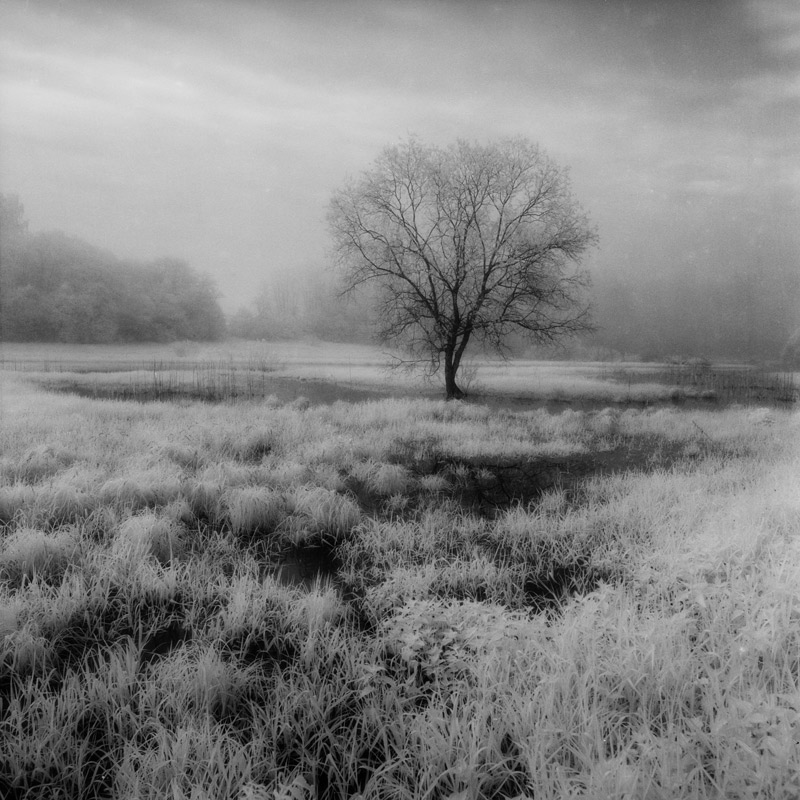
(239, 385)
(277, 390)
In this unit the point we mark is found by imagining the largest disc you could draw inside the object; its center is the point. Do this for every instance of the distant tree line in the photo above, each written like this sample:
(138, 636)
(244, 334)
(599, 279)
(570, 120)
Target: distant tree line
(742, 316)
(57, 288)
(305, 304)
(54, 287)
(736, 317)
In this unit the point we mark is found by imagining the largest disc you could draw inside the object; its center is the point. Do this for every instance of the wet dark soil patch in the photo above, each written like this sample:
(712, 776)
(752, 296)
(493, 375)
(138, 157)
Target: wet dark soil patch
(163, 641)
(270, 649)
(485, 485)
(306, 567)
(546, 593)
(84, 638)
(368, 501)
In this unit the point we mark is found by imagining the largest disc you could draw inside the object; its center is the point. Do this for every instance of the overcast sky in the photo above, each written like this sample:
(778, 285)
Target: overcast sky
(216, 130)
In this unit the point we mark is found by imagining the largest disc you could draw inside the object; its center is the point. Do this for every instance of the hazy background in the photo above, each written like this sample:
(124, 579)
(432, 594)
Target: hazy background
(214, 131)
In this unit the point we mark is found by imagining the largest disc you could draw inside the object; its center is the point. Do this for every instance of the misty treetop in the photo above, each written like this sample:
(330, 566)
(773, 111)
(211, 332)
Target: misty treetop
(57, 288)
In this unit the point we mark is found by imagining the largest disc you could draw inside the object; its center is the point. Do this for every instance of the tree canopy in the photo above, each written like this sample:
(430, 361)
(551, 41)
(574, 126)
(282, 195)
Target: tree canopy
(466, 243)
(57, 288)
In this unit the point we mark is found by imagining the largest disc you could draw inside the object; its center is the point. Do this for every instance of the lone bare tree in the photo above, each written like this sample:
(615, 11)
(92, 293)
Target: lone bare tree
(464, 243)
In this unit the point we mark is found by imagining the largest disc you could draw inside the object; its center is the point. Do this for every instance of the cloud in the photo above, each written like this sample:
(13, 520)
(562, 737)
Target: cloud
(778, 23)
(216, 130)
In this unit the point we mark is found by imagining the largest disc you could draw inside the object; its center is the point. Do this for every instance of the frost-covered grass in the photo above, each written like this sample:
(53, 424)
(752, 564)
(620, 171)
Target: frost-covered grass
(626, 635)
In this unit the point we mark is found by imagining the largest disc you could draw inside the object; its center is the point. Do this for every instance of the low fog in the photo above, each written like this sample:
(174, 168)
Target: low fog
(196, 146)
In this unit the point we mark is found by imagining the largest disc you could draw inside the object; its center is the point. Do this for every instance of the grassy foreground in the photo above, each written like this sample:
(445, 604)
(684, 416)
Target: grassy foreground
(620, 634)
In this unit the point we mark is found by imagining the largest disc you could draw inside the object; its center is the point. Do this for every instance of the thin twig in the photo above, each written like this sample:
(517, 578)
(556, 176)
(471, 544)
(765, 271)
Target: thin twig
(702, 431)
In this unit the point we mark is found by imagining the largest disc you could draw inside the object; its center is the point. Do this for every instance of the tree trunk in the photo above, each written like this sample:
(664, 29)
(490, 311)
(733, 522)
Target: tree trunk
(452, 391)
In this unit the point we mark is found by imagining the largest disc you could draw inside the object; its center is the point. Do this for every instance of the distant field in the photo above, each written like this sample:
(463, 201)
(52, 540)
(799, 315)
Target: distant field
(295, 595)
(321, 371)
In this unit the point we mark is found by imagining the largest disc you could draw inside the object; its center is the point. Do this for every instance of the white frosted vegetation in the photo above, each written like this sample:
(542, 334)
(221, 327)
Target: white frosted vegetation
(146, 535)
(254, 511)
(152, 650)
(36, 463)
(28, 552)
(329, 514)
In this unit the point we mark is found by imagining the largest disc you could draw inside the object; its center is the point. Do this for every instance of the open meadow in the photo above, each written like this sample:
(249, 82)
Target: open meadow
(274, 571)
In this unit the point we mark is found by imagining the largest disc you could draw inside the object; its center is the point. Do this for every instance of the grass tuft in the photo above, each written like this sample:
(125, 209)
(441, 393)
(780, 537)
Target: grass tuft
(146, 535)
(14, 500)
(323, 516)
(38, 463)
(255, 512)
(28, 553)
(139, 491)
(206, 501)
